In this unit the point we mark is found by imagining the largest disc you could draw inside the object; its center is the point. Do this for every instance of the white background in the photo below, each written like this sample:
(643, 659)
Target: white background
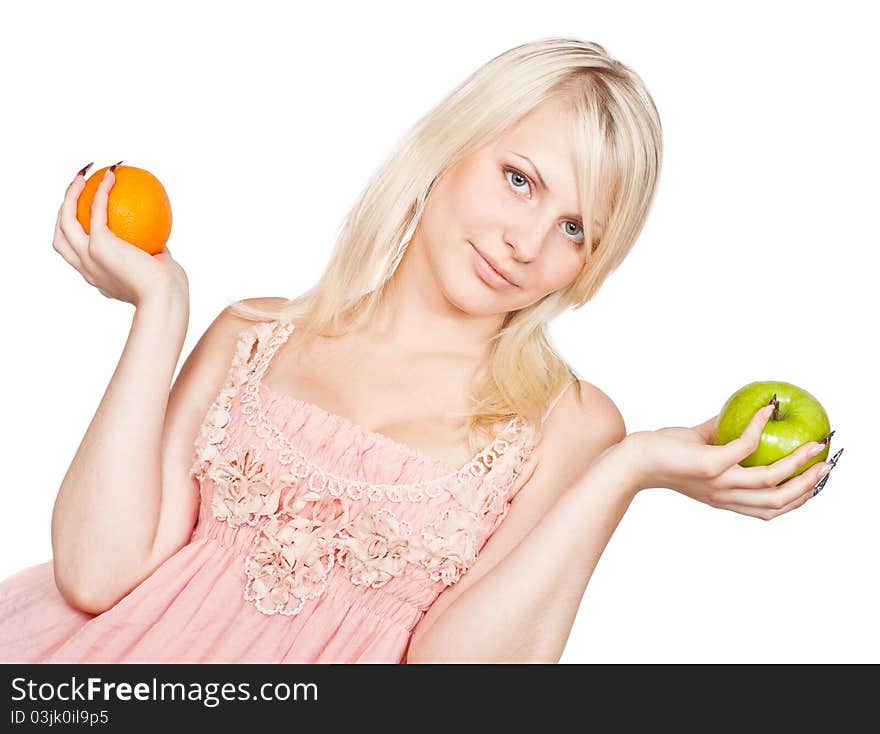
(263, 121)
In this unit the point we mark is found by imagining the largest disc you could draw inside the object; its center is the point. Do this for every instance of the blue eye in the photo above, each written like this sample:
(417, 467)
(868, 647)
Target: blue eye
(520, 174)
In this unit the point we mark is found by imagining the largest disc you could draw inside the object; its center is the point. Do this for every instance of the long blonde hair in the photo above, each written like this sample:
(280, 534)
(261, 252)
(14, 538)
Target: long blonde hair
(616, 128)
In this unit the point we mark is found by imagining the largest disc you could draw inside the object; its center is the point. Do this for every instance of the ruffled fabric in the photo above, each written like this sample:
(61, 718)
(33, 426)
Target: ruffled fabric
(317, 541)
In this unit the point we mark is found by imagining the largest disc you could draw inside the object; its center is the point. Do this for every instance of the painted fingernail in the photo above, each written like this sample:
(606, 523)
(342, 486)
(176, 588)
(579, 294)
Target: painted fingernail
(828, 437)
(834, 459)
(82, 171)
(826, 470)
(113, 167)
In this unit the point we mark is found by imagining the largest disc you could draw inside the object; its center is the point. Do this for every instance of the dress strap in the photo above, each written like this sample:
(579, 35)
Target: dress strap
(554, 401)
(254, 347)
(270, 335)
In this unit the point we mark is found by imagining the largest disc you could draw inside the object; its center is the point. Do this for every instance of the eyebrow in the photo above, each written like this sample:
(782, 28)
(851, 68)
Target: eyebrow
(546, 187)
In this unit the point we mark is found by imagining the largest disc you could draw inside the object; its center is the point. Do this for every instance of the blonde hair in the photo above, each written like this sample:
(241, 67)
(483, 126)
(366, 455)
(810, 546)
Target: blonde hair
(616, 130)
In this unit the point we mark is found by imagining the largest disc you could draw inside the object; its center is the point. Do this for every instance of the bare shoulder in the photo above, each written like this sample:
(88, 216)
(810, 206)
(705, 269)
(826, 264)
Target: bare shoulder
(221, 334)
(579, 428)
(581, 425)
(229, 319)
(210, 358)
(583, 420)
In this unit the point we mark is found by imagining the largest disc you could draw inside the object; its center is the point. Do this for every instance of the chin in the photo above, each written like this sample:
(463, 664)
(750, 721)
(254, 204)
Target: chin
(475, 300)
(465, 295)
(470, 303)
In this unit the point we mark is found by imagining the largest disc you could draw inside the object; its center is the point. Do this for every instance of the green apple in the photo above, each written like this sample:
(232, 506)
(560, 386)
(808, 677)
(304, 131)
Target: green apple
(797, 419)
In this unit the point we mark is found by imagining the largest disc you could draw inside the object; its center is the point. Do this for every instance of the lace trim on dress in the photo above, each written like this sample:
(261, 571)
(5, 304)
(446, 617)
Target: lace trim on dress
(321, 480)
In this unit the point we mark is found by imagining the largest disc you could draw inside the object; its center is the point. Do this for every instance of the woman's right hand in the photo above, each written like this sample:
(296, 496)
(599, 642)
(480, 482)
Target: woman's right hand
(688, 461)
(117, 268)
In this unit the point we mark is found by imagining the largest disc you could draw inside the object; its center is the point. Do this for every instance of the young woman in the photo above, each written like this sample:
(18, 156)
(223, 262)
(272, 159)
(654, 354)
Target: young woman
(396, 466)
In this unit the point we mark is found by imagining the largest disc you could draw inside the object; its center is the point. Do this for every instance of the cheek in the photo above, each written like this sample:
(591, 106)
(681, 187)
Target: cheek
(476, 200)
(560, 271)
(461, 208)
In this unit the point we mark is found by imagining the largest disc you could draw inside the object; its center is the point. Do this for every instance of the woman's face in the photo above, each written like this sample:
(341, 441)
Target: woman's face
(494, 202)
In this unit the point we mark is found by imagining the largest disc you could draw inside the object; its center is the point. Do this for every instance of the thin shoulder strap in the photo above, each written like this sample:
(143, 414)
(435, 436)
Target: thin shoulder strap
(254, 348)
(270, 335)
(554, 401)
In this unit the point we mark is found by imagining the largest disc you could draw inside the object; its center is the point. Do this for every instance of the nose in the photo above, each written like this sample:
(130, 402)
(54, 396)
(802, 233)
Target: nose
(526, 236)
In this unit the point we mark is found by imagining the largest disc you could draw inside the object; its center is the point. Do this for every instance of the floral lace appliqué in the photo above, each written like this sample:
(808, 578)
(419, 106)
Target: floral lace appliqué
(374, 548)
(450, 545)
(295, 551)
(291, 558)
(244, 491)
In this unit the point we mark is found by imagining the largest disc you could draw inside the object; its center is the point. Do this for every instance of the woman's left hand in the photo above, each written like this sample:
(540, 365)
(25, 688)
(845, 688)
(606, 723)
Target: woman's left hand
(687, 461)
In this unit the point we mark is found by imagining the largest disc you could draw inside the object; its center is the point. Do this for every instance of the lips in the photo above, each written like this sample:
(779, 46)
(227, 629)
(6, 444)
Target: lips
(493, 266)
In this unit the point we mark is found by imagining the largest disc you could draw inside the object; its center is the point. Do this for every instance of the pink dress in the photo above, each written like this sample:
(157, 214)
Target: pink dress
(317, 540)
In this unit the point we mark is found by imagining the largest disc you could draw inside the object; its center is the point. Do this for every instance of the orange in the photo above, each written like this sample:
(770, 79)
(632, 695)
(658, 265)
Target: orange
(138, 209)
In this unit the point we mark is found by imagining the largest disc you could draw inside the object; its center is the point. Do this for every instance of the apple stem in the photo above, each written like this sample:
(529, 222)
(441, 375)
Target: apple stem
(775, 403)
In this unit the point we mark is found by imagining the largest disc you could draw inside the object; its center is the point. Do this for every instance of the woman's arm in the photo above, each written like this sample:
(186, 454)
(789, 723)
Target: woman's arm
(107, 508)
(523, 609)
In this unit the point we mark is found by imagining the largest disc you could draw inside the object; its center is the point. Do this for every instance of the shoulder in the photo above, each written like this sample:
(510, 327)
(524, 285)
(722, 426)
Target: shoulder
(583, 423)
(229, 317)
(271, 302)
(205, 369)
(218, 343)
(229, 323)
(210, 358)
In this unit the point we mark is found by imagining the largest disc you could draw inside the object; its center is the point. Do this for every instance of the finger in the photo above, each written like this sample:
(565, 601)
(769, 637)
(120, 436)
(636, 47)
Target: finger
(98, 210)
(765, 513)
(771, 475)
(63, 248)
(68, 225)
(737, 449)
(768, 514)
(794, 504)
(777, 497)
(60, 243)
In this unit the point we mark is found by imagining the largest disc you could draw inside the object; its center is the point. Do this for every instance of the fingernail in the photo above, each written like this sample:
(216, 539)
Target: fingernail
(82, 171)
(830, 464)
(828, 437)
(113, 167)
